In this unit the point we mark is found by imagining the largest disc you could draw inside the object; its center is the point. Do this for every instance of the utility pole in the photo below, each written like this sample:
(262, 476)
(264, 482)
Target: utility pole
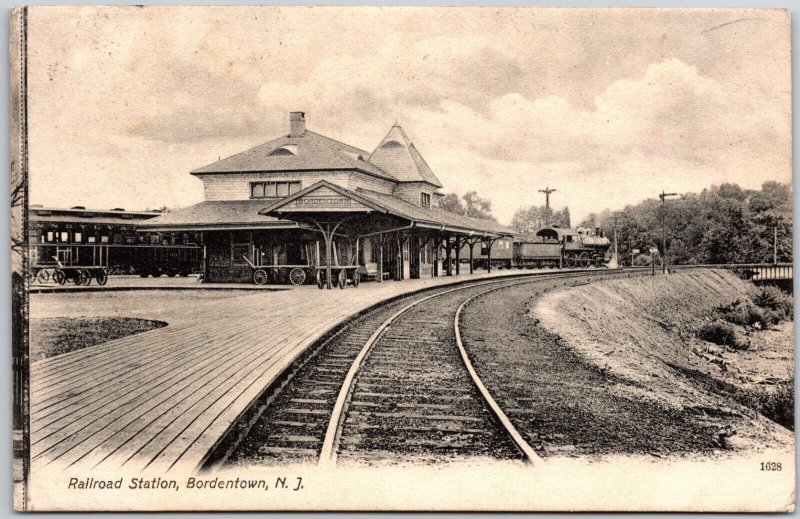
(616, 251)
(547, 192)
(775, 243)
(663, 196)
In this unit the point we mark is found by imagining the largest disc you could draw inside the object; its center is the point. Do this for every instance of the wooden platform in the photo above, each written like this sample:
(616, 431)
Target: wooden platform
(158, 401)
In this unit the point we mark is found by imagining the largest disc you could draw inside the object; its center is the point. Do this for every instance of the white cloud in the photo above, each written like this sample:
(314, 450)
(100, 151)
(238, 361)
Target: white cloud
(499, 101)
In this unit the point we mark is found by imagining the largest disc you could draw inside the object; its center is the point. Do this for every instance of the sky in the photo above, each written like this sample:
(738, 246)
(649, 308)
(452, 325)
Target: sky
(609, 107)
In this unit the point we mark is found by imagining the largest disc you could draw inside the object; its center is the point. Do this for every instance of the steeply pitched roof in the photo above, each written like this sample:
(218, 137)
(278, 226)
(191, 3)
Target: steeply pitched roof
(397, 156)
(313, 152)
(215, 214)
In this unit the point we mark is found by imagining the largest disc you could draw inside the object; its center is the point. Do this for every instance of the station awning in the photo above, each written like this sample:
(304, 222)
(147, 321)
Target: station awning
(217, 215)
(330, 202)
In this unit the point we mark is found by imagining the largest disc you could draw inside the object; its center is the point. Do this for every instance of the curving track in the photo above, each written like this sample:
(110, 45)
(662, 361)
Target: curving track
(394, 385)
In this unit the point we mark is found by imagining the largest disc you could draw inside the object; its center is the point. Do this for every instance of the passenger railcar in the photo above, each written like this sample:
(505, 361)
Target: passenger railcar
(79, 245)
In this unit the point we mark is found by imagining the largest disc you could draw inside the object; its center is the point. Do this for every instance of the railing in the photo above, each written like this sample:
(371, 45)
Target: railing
(752, 271)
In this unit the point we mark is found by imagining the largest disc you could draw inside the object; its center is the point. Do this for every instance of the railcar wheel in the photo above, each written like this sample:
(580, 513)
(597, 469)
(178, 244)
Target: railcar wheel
(342, 278)
(59, 276)
(43, 276)
(260, 277)
(156, 274)
(297, 276)
(171, 274)
(183, 274)
(143, 274)
(570, 261)
(319, 279)
(82, 277)
(584, 260)
(356, 279)
(101, 277)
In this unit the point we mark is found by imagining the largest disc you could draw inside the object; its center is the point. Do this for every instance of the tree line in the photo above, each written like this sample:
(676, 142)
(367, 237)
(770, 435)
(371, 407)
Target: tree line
(721, 224)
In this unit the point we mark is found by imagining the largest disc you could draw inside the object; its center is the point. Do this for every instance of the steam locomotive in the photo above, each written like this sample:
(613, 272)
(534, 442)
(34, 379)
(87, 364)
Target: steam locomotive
(550, 247)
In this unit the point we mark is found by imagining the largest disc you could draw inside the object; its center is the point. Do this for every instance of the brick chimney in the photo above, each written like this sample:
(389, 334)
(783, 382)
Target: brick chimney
(297, 124)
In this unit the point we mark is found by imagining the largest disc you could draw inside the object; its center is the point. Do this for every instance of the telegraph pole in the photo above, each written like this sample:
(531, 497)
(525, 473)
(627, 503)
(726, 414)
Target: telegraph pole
(547, 192)
(775, 243)
(663, 196)
(616, 251)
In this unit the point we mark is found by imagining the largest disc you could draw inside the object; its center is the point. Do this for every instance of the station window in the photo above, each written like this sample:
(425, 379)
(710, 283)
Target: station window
(425, 199)
(273, 189)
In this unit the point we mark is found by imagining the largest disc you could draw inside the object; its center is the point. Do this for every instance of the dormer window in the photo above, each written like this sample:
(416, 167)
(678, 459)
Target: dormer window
(425, 199)
(288, 150)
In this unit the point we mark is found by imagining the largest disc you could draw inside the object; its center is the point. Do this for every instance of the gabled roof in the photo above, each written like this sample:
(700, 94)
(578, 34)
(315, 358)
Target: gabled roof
(433, 215)
(397, 156)
(388, 204)
(313, 152)
(322, 184)
(216, 214)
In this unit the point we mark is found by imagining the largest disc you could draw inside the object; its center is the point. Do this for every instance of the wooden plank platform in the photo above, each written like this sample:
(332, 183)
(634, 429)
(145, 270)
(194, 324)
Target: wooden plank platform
(160, 400)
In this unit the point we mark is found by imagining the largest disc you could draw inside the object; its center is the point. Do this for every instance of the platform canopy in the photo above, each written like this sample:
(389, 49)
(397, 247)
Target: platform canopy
(337, 211)
(325, 201)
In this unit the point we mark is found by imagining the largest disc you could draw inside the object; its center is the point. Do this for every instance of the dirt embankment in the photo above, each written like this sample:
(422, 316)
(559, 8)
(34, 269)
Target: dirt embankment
(641, 332)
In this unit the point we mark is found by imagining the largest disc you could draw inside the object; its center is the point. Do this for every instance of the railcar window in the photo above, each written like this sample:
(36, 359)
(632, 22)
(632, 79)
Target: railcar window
(64, 237)
(103, 239)
(51, 236)
(91, 239)
(78, 237)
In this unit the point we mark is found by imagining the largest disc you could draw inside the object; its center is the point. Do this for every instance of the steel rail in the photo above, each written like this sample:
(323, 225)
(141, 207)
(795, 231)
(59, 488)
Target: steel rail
(524, 447)
(329, 451)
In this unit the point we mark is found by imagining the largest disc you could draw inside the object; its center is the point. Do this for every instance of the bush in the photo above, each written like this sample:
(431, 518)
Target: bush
(749, 315)
(777, 404)
(720, 333)
(775, 299)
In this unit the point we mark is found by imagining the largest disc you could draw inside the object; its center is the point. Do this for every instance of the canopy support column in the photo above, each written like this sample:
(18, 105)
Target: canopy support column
(458, 256)
(449, 264)
(327, 235)
(489, 242)
(398, 274)
(381, 242)
(436, 245)
(205, 256)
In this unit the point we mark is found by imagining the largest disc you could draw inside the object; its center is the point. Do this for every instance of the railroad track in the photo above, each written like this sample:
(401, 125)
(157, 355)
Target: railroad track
(393, 385)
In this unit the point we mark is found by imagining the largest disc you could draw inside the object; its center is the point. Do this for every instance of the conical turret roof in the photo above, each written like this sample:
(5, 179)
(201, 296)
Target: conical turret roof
(397, 156)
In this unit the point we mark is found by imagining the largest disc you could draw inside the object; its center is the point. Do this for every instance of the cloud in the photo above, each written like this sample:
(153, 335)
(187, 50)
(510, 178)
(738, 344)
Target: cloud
(608, 107)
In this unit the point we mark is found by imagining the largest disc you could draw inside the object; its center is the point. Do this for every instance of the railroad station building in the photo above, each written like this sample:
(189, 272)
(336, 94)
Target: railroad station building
(304, 203)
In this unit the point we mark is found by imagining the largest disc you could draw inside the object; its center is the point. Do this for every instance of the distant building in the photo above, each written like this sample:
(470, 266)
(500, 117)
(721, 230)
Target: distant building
(280, 203)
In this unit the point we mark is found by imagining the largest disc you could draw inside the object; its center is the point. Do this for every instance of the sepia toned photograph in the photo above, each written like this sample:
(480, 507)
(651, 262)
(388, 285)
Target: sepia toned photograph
(399, 258)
